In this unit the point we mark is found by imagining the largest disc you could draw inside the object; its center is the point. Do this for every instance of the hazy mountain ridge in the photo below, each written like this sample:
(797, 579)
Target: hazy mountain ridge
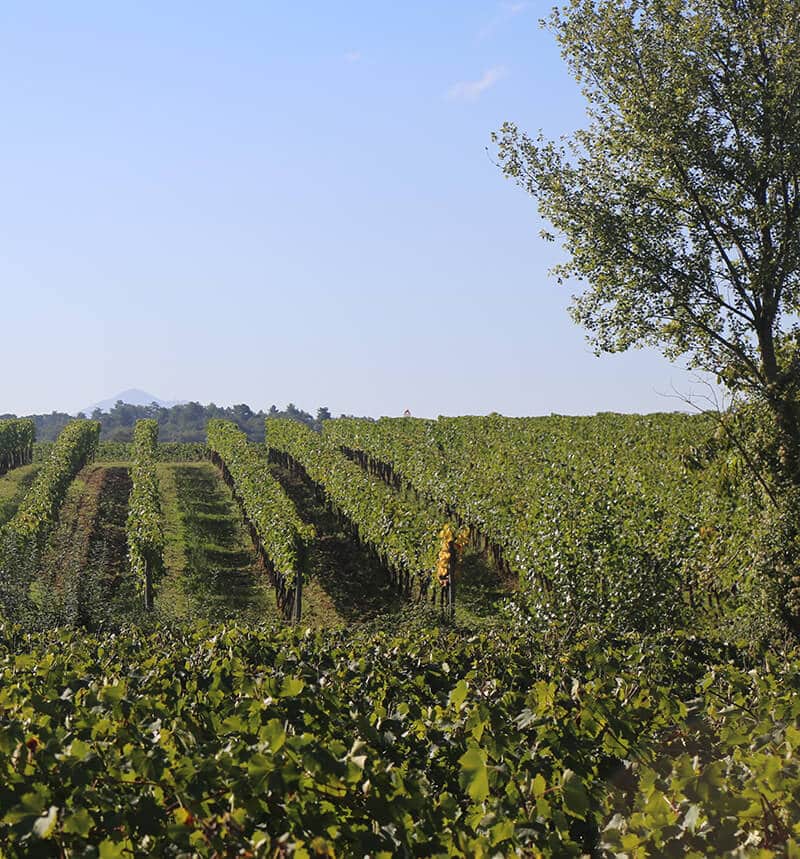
(132, 397)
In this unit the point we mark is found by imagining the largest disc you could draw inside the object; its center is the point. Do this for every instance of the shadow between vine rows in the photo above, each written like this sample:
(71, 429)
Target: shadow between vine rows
(349, 576)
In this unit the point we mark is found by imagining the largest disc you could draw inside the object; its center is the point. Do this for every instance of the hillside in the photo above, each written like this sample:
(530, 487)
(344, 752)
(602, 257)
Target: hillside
(130, 397)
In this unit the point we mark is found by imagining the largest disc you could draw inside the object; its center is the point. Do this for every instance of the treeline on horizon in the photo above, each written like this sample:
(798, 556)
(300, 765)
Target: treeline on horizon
(181, 423)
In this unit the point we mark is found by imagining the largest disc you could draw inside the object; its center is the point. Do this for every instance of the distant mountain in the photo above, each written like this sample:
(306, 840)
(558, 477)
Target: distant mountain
(133, 397)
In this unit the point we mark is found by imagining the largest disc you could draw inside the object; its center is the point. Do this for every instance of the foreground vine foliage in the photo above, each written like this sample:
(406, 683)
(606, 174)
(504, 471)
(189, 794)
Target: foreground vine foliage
(260, 742)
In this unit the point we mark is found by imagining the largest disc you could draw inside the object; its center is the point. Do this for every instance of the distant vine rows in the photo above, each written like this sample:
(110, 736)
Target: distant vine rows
(278, 532)
(144, 526)
(586, 512)
(16, 443)
(38, 511)
(410, 538)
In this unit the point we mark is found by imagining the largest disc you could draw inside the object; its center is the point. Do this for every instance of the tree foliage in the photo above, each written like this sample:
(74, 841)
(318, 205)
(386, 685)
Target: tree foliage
(182, 423)
(679, 203)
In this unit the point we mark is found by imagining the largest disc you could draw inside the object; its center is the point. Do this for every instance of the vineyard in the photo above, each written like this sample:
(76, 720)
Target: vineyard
(472, 636)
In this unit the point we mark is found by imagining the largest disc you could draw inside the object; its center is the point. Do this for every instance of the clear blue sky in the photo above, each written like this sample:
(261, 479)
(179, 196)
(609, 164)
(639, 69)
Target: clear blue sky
(262, 202)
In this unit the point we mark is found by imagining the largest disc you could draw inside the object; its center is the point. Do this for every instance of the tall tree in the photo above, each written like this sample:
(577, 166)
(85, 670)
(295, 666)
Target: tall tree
(679, 203)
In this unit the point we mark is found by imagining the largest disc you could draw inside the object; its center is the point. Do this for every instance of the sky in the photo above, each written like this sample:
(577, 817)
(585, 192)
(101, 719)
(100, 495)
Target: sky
(270, 202)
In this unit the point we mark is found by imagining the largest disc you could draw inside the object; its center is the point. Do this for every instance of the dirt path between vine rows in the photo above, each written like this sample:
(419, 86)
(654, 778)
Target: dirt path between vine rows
(86, 556)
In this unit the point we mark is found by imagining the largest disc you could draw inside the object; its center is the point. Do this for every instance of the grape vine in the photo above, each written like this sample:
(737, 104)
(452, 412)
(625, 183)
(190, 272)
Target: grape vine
(144, 526)
(38, 512)
(17, 436)
(586, 512)
(407, 535)
(278, 532)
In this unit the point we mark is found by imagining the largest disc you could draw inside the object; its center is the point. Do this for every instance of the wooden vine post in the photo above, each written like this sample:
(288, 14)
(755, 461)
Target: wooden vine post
(302, 568)
(450, 552)
(148, 586)
(450, 587)
(297, 608)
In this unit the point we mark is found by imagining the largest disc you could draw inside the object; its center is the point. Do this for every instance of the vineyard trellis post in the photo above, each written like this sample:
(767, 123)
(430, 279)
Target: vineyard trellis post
(448, 584)
(450, 594)
(148, 586)
(297, 608)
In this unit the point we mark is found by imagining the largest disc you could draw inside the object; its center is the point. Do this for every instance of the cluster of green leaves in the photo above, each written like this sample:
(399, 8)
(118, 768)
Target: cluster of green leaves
(16, 443)
(404, 532)
(39, 509)
(42, 449)
(144, 526)
(611, 516)
(235, 741)
(726, 781)
(282, 533)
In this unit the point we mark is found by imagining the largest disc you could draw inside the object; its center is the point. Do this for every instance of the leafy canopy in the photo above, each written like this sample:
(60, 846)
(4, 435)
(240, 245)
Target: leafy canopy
(679, 202)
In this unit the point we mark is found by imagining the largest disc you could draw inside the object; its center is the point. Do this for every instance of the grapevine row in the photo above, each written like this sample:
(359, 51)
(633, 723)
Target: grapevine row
(281, 537)
(144, 526)
(411, 540)
(16, 443)
(406, 455)
(587, 512)
(38, 512)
